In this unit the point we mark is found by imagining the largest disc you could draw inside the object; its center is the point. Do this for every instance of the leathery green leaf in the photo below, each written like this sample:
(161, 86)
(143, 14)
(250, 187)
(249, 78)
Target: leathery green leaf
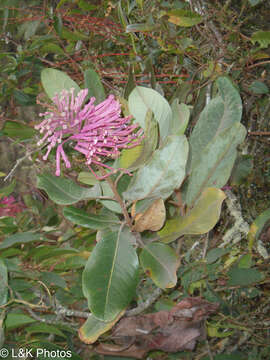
(220, 114)
(160, 262)
(54, 81)
(143, 99)
(135, 157)
(199, 220)
(93, 328)
(163, 173)
(91, 221)
(3, 283)
(216, 163)
(93, 83)
(180, 117)
(110, 276)
(21, 238)
(64, 191)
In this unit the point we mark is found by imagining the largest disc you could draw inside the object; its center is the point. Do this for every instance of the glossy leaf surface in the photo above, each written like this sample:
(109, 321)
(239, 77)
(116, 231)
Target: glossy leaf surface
(111, 275)
(94, 85)
(91, 221)
(20, 238)
(64, 191)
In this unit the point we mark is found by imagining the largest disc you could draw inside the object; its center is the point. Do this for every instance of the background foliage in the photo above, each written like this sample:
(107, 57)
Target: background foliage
(179, 53)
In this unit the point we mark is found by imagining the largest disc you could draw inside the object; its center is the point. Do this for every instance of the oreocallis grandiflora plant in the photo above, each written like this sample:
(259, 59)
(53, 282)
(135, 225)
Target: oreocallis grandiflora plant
(134, 159)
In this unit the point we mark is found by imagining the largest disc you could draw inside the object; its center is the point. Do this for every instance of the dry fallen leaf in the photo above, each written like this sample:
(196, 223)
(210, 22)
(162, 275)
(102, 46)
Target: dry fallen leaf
(170, 331)
(151, 219)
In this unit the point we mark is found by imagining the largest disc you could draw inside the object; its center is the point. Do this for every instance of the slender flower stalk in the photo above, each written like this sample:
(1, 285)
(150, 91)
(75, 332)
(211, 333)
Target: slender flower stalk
(98, 130)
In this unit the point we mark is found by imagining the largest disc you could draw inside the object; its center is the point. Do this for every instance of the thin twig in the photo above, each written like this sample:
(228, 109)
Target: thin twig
(146, 304)
(10, 174)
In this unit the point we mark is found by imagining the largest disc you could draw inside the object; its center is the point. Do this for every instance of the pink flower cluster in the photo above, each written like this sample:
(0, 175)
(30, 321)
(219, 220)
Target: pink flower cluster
(9, 206)
(98, 130)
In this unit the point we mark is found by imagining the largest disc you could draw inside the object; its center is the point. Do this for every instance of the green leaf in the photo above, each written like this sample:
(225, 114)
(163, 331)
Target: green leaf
(232, 356)
(262, 37)
(24, 99)
(93, 328)
(21, 238)
(135, 157)
(242, 168)
(245, 261)
(7, 190)
(92, 221)
(199, 220)
(18, 130)
(259, 88)
(52, 48)
(86, 177)
(140, 27)
(121, 15)
(109, 204)
(111, 275)
(220, 114)
(180, 117)
(184, 18)
(214, 254)
(51, 278)
(143, 99)
(73, 36)
(84, 5)
(64, 191)
(244, 277)
(31, 28)
(58, 24)
(255, 2)
(131, 83)
(3, 283)
(44, 328)
(54, 81)
(14, 320)
(257, 227)
(216, 162)
(163, 173)
(94, 85)
(160, 262)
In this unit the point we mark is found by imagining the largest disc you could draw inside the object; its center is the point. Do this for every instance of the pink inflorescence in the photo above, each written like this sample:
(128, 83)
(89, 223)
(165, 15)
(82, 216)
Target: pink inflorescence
(10, 207)
(99, 130)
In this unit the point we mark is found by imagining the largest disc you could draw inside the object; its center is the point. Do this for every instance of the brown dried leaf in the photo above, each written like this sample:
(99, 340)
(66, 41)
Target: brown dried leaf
(170, 331)
(151, 219)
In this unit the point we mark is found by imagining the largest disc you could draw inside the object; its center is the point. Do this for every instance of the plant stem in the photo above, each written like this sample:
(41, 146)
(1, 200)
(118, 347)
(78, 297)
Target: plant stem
(118, 198)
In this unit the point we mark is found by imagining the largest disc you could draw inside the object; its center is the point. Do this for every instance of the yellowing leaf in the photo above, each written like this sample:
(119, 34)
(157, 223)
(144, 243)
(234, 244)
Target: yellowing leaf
(93, 328)
(152, 219)
(160, 262)
(199, 220)
(184, 18)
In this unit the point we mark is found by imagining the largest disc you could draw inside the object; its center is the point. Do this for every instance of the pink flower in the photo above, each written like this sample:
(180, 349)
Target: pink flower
(99, 130)
(9, 206)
